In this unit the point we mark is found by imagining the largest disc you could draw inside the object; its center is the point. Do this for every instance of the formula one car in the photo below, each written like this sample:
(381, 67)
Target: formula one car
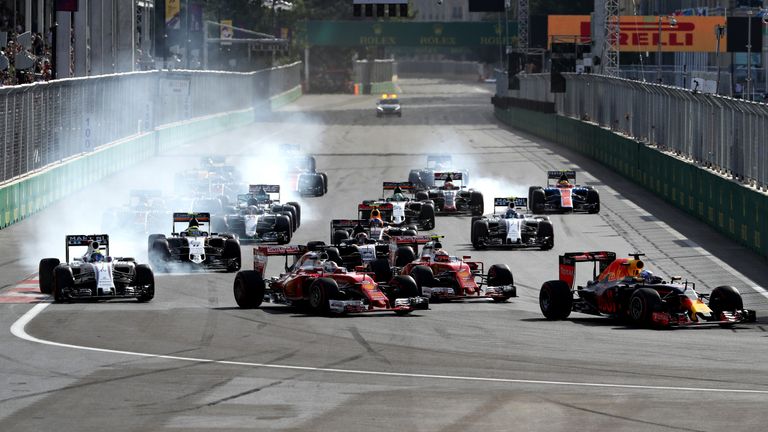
(359, 244)
(302, 172)
(450, 196)
(424, 178)
(400, 208)
(261, 217)
(95, 274)
(623, 288)
(142, 214)
(320, 284)
(389, 104)
(440, 276)
(512, 228)
(563, 196)
(194, 247)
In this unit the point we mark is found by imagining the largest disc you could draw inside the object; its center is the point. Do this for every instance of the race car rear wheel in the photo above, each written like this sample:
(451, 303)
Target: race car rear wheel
(63, 281)
(339, 236)
(381, 270)
(427, 217)
(546, 235)
(725, 299)
(145, 281)
(593, 199)
(479, 232)
(159, 254)
(538, 201)
(232, 254)
(296, 206)
(283, 225)
(642, 304)
(325, 183)
(248, 289)
(476, 203)
(555, 300)
(315, 245)
(320, 292)
(404, 255)
(151, 241)
(45, 274)
(422, 196)
(530, 195)
(423, 276)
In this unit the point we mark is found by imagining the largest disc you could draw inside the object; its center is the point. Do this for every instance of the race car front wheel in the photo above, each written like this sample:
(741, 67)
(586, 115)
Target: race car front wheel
(642, 304)
(248, 289)
(555, 300)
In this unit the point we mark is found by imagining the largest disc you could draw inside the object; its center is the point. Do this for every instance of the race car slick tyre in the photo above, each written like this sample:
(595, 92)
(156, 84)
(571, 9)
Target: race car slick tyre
(725, 299)
(427, 217)
(324, 176)
(289, 211)
(248, 289)
(538, 200)
(334, 255)
(315, 245)
(151, 240)
(555, 300)
(642, 304)
(530, 194)
(500, 275)
(232, 254)
(296, 206)
(404, 255)
(423, 196)
(546, 235)
(320, 292)
(45, 274)
(593, 198)
(283, 225)
(403, 287)
(415, 179)
(381, 270)
(63, 281)
(479, 232)
(339, 236)
(159, 254)
(476, 203)
(145, 282)
(423, 276)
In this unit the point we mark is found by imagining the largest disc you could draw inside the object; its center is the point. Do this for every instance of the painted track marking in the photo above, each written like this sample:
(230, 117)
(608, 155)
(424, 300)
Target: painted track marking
(18, 329)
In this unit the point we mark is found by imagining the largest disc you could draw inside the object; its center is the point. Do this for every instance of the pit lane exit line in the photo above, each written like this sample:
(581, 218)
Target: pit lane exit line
(18, 329)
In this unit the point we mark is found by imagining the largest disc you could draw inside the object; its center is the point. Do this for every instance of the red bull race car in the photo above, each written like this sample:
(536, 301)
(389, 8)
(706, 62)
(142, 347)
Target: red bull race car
(563, 196)
(624, 289)
(318, 283)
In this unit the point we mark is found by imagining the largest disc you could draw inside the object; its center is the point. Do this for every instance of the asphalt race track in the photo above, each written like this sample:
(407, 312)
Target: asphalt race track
(191, 360)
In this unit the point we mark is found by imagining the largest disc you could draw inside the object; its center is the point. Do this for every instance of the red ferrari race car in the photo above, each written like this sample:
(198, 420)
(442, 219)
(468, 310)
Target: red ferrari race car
(623, 288)
(316, 282)
(440, 276)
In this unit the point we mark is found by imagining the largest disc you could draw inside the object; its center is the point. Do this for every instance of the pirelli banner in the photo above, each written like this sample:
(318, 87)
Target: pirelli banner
(641, 33)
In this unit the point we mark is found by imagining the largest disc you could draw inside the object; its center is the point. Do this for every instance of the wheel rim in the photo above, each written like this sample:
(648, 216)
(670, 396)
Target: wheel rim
(545, 300)
(636, 309)
(315, 297)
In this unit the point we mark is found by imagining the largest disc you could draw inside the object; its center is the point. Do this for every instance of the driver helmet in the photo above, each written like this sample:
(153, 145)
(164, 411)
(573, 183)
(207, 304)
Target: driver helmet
(511, 213)
(647, 276)
(376, 218)
(193, 231)
(330, 266)
(311, 260)
(398, 194)
(563, 181)
(362, 238)
(97, 256)
(441, 256)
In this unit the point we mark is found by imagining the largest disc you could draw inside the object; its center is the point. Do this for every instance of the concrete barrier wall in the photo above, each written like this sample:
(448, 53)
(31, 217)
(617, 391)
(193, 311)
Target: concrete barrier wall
(29, 195)
(737, 211)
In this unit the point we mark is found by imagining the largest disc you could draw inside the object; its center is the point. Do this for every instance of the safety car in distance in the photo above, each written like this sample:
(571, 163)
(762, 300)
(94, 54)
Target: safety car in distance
(622, 288)
(321, 285)
(95, 274)
(441, 276)
(563, 196)
(451, 196)
(389, 104)
(194, 247)
(424, 178)
(512, 227)
(261, 217)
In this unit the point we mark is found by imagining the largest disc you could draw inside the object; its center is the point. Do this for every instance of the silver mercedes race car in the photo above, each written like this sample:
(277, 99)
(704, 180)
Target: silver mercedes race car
(95, 274)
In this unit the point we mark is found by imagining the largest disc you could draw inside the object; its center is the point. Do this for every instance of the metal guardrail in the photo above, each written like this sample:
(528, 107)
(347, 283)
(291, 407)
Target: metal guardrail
(440, 68)
(722, 133)
(377, 71)
(43, 123)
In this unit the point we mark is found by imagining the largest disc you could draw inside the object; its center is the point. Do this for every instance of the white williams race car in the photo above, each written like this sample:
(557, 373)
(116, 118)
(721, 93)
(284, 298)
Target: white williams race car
(95, 274)
(512, 227)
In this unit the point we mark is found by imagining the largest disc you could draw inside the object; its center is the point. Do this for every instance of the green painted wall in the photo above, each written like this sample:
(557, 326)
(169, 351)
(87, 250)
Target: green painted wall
(738, 212)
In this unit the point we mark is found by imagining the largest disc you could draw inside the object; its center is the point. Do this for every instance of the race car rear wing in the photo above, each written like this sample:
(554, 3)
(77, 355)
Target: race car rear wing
(567, 263)
(510, 202)
(203, 220)
(405, 186)
(453, 176)
(261, 255)
(364, 210)
(556, 175)
(78, 240)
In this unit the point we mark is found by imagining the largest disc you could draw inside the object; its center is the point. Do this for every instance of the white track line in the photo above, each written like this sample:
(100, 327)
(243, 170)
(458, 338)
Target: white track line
(18, 330)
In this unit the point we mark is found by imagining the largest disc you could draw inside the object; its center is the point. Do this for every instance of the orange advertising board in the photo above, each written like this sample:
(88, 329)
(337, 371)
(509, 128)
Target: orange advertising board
(641, 33)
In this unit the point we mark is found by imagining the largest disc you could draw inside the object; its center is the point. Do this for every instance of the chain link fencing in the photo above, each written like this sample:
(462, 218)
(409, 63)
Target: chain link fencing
(44, 123)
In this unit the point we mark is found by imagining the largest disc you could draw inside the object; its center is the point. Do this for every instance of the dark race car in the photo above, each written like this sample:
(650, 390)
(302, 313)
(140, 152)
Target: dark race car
(512, 227)
(95, 274)
(194, 247)
(624, 289)
(424, 178)
(319, 283)
(261, 217)
(563, 196)
(450, 196)
(388, 105)
(301, 172)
